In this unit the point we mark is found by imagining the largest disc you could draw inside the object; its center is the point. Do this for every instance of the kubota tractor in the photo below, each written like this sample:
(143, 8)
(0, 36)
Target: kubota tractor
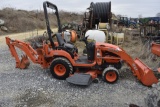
(64, 62)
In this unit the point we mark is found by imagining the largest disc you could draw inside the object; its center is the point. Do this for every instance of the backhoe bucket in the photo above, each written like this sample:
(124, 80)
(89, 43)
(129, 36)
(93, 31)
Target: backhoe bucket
(147, 76)
(155, 49)
(24, 62)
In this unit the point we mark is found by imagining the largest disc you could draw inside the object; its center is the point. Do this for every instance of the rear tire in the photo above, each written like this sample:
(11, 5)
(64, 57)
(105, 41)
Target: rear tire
(60, 68)
(110, 75)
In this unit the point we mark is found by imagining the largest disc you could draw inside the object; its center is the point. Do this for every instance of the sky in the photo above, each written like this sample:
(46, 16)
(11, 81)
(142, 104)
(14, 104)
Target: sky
(129, 8)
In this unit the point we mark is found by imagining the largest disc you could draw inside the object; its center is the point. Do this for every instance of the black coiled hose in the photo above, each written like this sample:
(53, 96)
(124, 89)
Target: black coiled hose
(100, 12)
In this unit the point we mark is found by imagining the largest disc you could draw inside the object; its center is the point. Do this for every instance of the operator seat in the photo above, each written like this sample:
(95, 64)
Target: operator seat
(61, 42)
(67, 46)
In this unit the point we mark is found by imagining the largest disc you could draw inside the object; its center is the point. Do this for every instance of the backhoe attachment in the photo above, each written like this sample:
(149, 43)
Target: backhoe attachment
(22, 62)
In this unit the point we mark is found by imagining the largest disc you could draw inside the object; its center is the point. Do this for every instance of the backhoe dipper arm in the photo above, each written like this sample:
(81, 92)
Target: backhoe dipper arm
(29, 51)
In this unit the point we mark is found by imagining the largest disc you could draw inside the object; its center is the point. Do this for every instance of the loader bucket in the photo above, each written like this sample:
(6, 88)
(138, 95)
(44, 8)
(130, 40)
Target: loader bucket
(147, 76)
(24, 63)
(155, 49)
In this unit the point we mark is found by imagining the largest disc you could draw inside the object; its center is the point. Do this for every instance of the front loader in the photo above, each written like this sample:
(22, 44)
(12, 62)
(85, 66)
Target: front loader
(64, 62)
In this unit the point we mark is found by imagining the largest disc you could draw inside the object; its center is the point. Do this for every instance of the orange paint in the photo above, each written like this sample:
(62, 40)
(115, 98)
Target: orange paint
(155, 49)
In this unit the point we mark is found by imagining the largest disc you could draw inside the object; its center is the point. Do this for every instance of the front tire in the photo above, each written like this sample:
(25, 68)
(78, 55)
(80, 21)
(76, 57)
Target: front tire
(110, 75)
(61, 68)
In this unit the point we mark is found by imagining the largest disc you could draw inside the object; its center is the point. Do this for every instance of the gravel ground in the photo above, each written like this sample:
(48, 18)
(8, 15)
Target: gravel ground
(35, 87)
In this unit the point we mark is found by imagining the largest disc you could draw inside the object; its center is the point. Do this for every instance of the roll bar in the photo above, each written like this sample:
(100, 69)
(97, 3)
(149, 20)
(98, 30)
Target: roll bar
(46, 5)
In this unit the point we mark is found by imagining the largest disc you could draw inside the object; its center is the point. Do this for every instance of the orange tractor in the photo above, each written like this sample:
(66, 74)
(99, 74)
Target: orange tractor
(64, 62)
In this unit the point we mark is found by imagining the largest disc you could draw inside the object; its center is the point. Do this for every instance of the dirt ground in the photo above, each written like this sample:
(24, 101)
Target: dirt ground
(35, 87)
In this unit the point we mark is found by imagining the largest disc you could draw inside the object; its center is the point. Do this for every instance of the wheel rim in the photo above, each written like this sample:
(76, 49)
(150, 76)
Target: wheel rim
(111, 76)
(59, 69)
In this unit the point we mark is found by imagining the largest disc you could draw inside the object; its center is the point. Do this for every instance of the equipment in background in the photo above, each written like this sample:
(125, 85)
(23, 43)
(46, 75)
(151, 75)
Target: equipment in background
(96, 35)
(96, 13)
(155, 49)
(124, 21)
(69, 36)
(149, 29)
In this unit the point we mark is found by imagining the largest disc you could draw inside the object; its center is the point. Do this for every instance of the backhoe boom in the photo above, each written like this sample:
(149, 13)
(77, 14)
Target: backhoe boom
(27, 49)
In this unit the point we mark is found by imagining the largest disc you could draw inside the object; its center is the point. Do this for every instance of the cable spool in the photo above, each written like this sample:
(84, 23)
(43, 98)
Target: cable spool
(100, 12)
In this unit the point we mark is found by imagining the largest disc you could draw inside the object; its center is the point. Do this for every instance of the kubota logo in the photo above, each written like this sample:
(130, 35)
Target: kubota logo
(113, 50)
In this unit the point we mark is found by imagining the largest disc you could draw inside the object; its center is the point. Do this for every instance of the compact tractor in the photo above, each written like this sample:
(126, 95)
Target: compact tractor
(124, 21)
(64, 62)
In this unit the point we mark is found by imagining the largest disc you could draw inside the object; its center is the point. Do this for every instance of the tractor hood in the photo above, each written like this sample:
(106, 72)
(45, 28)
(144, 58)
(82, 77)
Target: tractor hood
(109, 46)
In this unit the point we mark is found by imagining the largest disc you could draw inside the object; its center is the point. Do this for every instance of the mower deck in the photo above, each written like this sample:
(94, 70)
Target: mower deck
(80, 79)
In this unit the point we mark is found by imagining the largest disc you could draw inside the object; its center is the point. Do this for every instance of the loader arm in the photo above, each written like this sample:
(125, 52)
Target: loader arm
(26, 48)
(140, 70)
